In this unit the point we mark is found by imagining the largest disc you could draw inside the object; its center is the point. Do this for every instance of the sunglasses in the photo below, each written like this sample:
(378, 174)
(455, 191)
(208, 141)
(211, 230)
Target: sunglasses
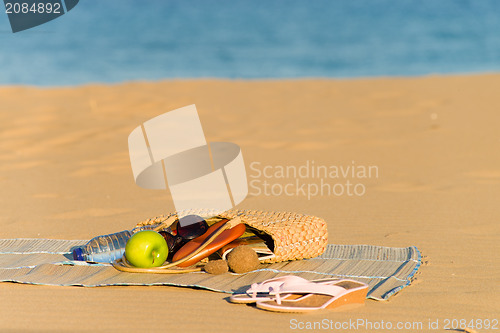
(188, 228)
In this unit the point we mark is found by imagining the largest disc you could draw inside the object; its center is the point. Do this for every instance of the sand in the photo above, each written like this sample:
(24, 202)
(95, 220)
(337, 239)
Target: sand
(65, 173)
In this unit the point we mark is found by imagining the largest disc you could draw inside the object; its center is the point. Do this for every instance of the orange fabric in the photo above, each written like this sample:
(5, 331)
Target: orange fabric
(224, 238)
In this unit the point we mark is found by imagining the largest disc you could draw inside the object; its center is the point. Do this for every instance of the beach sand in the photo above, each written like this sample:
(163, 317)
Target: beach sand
(65, 174)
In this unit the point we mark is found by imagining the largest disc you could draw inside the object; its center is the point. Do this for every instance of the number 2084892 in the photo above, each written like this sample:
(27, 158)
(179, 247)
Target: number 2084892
(34, 8)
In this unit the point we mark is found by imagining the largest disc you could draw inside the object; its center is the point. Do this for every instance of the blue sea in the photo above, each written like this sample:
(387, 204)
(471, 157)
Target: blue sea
(119, 40)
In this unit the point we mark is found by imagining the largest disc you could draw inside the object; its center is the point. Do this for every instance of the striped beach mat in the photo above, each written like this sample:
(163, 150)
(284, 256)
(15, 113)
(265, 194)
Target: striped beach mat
(49, 262)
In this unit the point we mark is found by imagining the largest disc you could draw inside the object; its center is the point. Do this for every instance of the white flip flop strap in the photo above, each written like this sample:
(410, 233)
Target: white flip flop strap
(267, 285)
(258, 288)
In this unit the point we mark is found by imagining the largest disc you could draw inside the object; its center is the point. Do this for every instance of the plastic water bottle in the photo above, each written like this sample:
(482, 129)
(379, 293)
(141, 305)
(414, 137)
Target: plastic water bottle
(107, 248)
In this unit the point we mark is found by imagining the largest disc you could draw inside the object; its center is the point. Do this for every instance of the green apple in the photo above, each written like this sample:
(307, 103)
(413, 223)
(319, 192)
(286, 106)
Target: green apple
(146, 249)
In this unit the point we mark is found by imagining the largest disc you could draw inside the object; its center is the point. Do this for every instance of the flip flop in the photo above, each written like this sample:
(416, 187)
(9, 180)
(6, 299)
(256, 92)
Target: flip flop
(315, 296)
(260, 291)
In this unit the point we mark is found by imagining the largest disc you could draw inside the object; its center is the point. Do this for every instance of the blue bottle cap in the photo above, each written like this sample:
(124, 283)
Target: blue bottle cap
(78, 254)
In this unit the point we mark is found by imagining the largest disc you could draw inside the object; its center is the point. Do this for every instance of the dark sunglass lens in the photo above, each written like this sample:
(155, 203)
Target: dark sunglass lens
(173, 242)
(191, 226)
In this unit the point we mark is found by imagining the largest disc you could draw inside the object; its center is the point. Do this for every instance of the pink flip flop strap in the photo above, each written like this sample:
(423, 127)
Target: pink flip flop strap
(309, 288)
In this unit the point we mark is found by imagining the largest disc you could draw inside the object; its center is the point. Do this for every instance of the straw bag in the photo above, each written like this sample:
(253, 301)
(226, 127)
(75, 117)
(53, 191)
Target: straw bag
(290, 236)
